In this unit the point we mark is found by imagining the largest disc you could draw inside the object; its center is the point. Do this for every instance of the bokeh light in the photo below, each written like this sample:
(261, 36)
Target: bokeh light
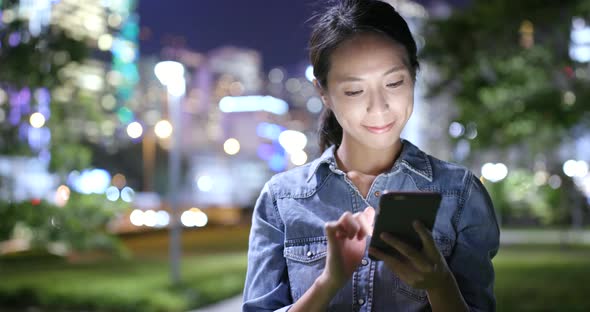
(37, 120)
(134, 130)
(231, 146)
(163, 129)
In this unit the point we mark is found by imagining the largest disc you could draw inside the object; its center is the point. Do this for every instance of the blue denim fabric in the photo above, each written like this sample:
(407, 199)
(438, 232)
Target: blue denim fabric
(287, 247)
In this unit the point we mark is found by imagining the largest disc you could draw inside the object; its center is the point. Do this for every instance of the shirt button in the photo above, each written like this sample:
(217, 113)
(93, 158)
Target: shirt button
(364, 262)
(377, 194)
(361, 301)
(309, 254)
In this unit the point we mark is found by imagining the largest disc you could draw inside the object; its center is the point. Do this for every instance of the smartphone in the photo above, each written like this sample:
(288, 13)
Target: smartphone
(397, 211)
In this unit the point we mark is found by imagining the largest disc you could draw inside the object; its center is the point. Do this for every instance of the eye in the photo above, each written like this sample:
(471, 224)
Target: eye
(395, 84)
(353, 93)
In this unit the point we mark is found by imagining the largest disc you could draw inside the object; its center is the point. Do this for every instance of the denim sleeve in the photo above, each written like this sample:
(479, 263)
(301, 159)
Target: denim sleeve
(477, 243)
(267, 282)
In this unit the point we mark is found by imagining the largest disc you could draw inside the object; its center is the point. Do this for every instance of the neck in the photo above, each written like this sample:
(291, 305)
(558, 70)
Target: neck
(357, 157)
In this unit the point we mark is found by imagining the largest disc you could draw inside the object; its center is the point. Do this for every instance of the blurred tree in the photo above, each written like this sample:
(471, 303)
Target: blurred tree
(516, 87)
(507, 64)
(31, 67)
(30, 63)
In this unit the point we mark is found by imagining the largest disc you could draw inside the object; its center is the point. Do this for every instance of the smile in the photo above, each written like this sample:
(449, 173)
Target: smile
(379, 130)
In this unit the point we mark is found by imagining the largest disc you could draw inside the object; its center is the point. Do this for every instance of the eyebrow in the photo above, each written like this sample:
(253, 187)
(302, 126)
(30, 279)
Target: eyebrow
(392, 70)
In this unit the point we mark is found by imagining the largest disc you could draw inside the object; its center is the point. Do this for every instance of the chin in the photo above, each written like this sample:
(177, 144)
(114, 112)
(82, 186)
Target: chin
(380, 143)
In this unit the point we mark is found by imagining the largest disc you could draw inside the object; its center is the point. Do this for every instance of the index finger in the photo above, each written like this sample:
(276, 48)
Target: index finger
(427, 239)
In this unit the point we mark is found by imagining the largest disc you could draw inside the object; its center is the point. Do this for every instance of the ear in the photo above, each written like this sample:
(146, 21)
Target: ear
(322, 92)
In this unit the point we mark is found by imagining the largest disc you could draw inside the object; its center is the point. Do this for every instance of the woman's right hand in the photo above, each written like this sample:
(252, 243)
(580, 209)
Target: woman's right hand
(347, 242)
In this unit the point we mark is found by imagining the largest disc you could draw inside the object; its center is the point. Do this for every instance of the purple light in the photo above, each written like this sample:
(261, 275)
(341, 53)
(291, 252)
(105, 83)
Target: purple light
(39, 138)
(264, 151)
(43, 97)
(45, 155)
(23, 131)
(14, 39)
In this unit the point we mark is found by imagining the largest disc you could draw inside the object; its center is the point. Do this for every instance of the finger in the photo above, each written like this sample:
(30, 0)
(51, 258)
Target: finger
(369, 214)
(427, 240)
(413, 255)
(365, 220)
(394, 264)
(348, 225)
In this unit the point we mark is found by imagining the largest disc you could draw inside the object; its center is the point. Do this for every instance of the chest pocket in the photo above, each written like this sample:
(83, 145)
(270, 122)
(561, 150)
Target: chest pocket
(445, 246)
(305, 262)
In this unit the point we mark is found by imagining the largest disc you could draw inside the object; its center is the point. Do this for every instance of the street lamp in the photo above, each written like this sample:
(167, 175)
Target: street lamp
(171, 75)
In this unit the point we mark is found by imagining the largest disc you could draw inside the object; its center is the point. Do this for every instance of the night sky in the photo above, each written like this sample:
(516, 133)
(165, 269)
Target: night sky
(276, 28)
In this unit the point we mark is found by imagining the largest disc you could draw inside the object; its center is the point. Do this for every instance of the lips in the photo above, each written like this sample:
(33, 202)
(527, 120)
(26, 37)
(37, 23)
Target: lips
(380, 129)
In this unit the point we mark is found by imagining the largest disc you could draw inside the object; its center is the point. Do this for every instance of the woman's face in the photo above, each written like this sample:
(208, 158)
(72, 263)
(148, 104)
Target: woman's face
(370, 90)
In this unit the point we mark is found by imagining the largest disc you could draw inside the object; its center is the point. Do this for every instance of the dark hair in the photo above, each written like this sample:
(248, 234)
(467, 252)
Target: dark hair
(341, 21)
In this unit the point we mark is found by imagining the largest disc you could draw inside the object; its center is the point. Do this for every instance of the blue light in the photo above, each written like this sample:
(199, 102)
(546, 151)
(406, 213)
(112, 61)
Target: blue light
(309, 73)
(269, 131)
(253, 103)
(277, 162)
(92, 181)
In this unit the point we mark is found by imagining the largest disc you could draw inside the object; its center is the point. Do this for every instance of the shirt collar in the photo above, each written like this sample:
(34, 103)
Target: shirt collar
(410, 157)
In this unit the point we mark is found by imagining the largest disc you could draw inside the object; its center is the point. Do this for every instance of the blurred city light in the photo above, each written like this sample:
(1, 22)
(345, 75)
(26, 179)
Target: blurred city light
(105, 42)
(299, 158)
(150, 218)
(573, 168)
(456, 129)
(554, 182)
(293, 85)
(580, 41)
(205, 183)
(162, 219)
(134, 130)
(314, 105)
(62, 195)
(194, 217)
(136, 217)
(265, 151)
(269, 131)
(112, 193)
(292, 140)
(276, 75)
(37, 120)
(90, 181)
(163, 129)
(494, 172)
(253, 103)
(309, 73)
(277, 162)
(127, 194)
(231, 146)
(171, 75)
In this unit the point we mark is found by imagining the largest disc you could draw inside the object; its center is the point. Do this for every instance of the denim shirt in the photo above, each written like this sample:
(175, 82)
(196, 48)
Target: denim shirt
(288, 244)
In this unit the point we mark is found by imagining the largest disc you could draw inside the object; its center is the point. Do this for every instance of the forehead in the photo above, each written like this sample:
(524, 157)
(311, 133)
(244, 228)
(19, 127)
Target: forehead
(365, 53)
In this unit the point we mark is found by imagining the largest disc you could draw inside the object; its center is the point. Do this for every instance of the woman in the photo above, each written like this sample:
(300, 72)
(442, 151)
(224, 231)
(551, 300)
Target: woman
(308, 242)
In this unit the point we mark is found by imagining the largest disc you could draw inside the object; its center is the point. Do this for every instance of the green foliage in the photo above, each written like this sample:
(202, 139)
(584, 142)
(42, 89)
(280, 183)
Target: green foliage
(519, 197)
(80, 225)
(515, 93)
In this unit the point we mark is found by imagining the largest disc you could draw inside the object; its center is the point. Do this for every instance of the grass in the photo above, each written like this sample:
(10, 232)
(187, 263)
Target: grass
(137, 285)
(528, 278)
(543, 278)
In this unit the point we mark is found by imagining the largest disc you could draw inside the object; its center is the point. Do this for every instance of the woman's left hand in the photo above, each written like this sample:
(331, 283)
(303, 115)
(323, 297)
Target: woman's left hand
(424, 269)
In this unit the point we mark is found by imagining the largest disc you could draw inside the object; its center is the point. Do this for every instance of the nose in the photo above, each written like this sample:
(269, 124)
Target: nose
(377, 102)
